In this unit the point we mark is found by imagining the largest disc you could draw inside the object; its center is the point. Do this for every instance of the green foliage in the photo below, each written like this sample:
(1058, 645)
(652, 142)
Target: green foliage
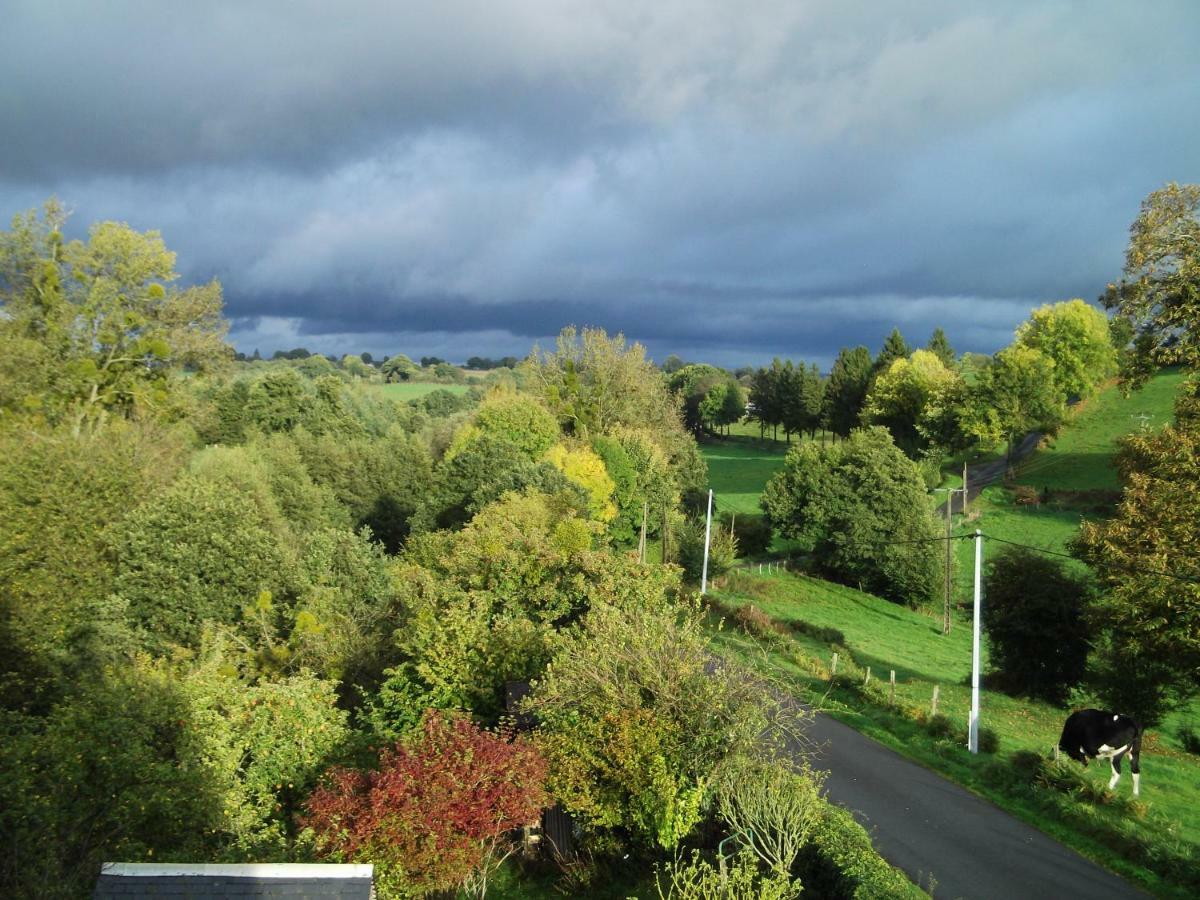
(518, 419)
(894, 348)
(399, 368)
(1151, 659)
(940, 347)
(841, 862)
(62, 498)
(770, 808)
(859, 508)
(99, 322)
(1076, 338)
(752, 534)
(583, 467)
(626, 525)
(635, 725)
(849, 380)
(1035, 623)
(695, 878)
(919, 400)
(688, 539)
(1016, 394)
(1160, 289)
(197, 552)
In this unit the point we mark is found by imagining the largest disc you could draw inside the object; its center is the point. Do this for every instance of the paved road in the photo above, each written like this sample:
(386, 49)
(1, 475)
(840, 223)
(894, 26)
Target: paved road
(981, 475)
(929, 826)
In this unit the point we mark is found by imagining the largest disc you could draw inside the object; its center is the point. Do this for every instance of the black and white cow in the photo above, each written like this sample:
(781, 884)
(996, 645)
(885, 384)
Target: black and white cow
(1103, 735)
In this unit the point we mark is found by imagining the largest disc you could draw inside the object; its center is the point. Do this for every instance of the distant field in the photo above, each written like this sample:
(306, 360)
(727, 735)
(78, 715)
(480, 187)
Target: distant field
(739, 467)
(410, 390)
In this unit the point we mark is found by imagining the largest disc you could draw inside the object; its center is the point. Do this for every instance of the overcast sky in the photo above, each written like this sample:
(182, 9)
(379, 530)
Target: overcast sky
(725, 181)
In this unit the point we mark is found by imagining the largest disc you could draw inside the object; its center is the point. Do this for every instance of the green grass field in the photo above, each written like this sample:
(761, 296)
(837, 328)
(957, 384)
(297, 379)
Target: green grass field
(884, 637)
(739, 467)
(411, 390)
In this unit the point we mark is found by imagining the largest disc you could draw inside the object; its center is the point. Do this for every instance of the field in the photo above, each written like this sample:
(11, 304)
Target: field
(739, 468)
(411, 390)
(885, 636)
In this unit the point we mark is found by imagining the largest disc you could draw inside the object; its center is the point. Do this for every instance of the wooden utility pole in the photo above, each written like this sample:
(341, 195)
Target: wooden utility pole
(666, 534)
(642, 542)
(964, 488)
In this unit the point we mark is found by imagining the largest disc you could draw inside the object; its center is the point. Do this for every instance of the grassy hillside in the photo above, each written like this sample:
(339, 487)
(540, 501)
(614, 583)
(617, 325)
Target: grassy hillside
(739, 467)
(884, 636)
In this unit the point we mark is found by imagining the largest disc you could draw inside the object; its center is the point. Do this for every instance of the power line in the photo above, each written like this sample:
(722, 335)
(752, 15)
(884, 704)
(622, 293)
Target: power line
(1136, 570)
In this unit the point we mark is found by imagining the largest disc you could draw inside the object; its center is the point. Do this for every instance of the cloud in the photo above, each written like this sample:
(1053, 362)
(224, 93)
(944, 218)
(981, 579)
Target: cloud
(722, 180)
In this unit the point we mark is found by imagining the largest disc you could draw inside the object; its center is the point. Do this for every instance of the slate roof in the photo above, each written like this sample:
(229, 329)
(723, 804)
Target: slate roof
(209, 882)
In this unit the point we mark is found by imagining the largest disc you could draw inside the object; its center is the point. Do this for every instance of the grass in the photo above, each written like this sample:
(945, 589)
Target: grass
(885, 636)
(739, 467)
(411, 390)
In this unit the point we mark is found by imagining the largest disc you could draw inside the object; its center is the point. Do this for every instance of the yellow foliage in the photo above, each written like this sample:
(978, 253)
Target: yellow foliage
(581, 465)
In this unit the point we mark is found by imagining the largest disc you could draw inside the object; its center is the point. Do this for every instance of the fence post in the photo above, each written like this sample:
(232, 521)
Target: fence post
(833, 667)
(867, 680)
(933, 706)
(892, 692)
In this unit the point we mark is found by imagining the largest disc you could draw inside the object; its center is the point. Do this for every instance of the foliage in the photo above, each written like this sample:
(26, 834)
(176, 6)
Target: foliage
(1160, 289)
(516, 418)
(752, 534)
(849, 380)
(859, 508)
(1075, 337)
(689, 541)
(1015, 394)
(788, 395)
(636, 726)
(1149, 608)
(582, 466)
(197, 552)
(594, 383)
(398, 368)
(858, 871)
(770, 808)
(62, 498)
(695, 878)
(626, 525)
(919, 401)
(1038, 638)
(940, 347)
(437, 812)
(97, 327)
(894, 348)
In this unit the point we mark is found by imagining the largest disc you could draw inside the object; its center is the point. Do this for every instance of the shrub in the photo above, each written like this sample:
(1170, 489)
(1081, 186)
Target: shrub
(754, 620)
(1189, 740)
(770, 808)
(722, 550)
(939, 726)
(1035, 623)
(989, 740)
(753, 533)
(839, 862)
(437, 812)
(697, 879)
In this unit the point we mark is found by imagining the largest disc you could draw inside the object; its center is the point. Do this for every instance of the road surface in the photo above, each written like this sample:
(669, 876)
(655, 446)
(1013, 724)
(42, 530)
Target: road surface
(929, 826)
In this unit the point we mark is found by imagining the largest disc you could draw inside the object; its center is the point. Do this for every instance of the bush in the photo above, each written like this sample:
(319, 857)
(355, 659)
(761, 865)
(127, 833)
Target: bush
(722, 550)
(697, 879)
(939, 726)
(1189, 740)
(1035, 623)
(753, 533)
(989, 740)
(839, 863)
(437, 813)
(770, 808)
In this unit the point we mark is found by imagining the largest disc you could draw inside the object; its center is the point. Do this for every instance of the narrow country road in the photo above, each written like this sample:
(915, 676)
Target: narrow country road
(930, 827)
(981, 475)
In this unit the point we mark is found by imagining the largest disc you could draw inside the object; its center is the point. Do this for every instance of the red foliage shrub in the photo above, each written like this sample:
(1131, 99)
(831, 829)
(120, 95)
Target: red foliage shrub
(439, 807)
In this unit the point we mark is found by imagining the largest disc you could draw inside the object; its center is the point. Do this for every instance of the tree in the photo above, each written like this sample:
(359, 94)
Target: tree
(99, 326)
(398, 368)
(1013, 395)
(859, 507)
(1160, 289)
(700, 388)
(438, 812)
(940, 347)
(722, 551)
(516, 418)
(1148, 613)
(581, 465)
(847, 390)
(672, 364)
(636, 727)
(1035, 618)
(1076, 337)
(894, 348)
(918, 400)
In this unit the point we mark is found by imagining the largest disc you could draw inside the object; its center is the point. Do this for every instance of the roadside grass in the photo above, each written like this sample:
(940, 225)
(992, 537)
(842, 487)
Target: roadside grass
(411, 390)
(885, 636)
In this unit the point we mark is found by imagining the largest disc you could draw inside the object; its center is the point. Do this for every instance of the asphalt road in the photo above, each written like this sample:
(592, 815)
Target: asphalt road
(931, 827)
(981, 475)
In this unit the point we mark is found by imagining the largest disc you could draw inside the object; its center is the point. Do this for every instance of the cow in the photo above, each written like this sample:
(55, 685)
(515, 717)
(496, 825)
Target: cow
(1103, 735)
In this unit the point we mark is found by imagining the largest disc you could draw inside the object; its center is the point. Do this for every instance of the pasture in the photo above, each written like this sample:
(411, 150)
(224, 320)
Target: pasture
(411, 390)
(739, 467)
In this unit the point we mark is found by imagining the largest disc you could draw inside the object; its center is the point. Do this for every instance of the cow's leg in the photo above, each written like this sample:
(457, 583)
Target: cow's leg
(1134, 767)
(1115, 762)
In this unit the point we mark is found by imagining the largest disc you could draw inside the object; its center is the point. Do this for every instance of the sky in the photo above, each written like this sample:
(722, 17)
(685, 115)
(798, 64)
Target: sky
(728, 182)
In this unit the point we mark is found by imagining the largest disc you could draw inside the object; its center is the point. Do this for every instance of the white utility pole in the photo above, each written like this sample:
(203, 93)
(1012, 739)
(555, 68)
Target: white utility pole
(973, 728)
(707, 534)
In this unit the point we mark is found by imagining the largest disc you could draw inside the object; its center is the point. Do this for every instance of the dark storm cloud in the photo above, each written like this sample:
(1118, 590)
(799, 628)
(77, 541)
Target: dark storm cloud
(723, 181)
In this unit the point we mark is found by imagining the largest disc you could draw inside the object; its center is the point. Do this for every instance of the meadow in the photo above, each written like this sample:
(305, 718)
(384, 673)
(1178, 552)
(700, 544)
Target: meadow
(411, 390)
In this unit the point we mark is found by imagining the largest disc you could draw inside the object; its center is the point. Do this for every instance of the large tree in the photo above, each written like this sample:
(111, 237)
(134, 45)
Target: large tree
(1013, 395)
(847, 389)
(1160, 290)
(1075, 336)
(859, 507)
(97, 326)
(919, 401)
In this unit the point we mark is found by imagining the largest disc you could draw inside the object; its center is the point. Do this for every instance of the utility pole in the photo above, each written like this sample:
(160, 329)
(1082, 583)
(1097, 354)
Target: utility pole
(964, 488)
(973, 727)
(949, 542)
(707, 535)
(642, 542)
